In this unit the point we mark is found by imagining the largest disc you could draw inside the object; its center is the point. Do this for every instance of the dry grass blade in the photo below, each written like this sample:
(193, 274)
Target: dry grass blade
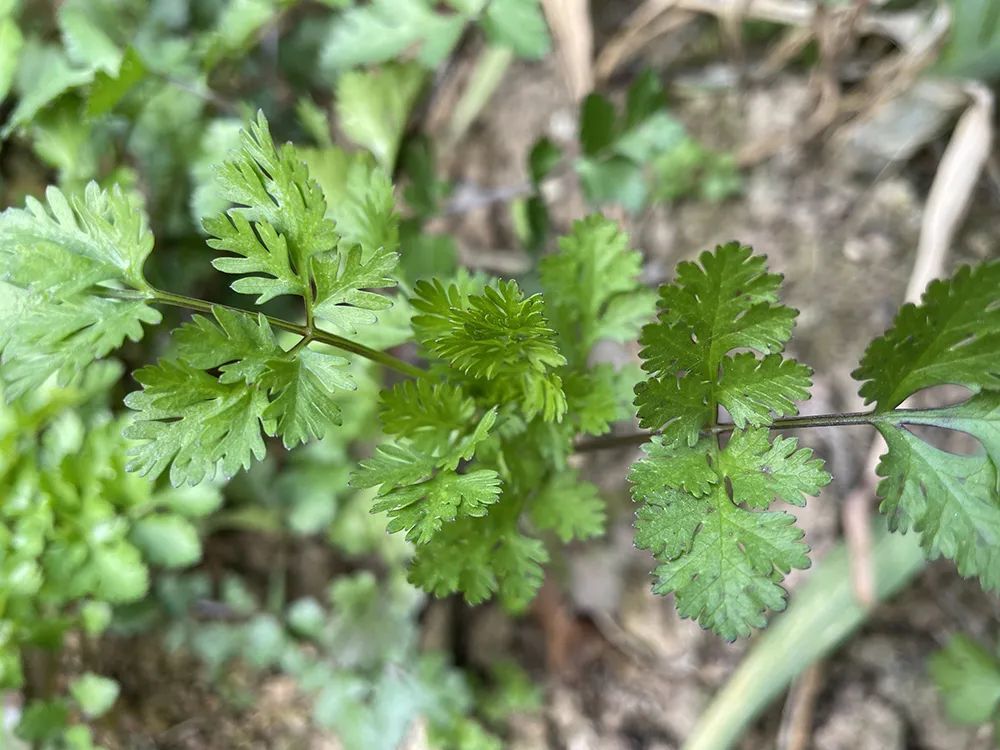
(574, 42)
(652, 19)
(951, 192)
(797, 718)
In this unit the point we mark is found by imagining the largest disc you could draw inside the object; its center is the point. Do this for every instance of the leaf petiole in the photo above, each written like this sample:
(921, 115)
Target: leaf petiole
(159, 296)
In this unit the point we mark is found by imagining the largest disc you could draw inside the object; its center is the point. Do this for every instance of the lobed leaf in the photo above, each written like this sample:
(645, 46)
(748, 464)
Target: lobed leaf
(569, 506)
(592, 287)
(498, 336)
(951, 337)
(952, 501)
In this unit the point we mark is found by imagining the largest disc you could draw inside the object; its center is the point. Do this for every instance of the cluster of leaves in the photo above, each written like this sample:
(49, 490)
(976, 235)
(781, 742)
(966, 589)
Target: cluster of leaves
(721, 556)
(704, 507)
(354, 654)
(485, 439)
(160, 86)
(384, 30)
(478, 457)
(198, 422)
(644, 154)
(77, 534)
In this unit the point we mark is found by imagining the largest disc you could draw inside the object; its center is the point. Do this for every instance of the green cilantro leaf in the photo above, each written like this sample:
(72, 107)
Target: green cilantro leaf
(667, 465)
(760, 470)
(259, 386)
(303, 390)
(194, 423)
(952, 336)
(721, 562)
(261, 250)
(479, 557)
(727, 302)
(341, 281)
(279, 222)
(571, 507)
(753, 389)
(359, 197)
(52, 260)
(427, 413)
(703, 510)
(239, 346)
(592, 288)
(598, 397)
(497, 336)
(952, 501)
(421, 509)
(107, 228)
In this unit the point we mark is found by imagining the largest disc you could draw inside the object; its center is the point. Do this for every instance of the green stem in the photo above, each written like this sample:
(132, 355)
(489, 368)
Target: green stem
(786, 423)
(199, 305)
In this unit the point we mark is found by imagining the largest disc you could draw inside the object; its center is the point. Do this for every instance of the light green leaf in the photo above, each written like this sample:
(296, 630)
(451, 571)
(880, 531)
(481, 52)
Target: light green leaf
(571, 507)
(272, 187)
(755, 390)
(193, 423)
(108, 228)
(518, 24)
(119, 573)
(359, 197)
(167, 540)
(669, 466)
(592, 287)
(110, 88)
(760, 470)
(303, 394)
(43, 75)
(241, 346)
(84, 38)
(94, 694)
(373, 107)
(52, 259)
(497, 336)
(952, 501)
(11, 42)
(382, 30)
(421, 509)
(342, 279)
(720, 561)
(968, 677)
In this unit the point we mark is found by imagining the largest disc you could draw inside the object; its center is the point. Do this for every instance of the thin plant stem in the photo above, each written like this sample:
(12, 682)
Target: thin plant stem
(199, 305)
(788, 423)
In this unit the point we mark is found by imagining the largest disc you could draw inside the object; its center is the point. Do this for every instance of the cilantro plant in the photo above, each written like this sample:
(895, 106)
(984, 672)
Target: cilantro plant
(478, 435)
